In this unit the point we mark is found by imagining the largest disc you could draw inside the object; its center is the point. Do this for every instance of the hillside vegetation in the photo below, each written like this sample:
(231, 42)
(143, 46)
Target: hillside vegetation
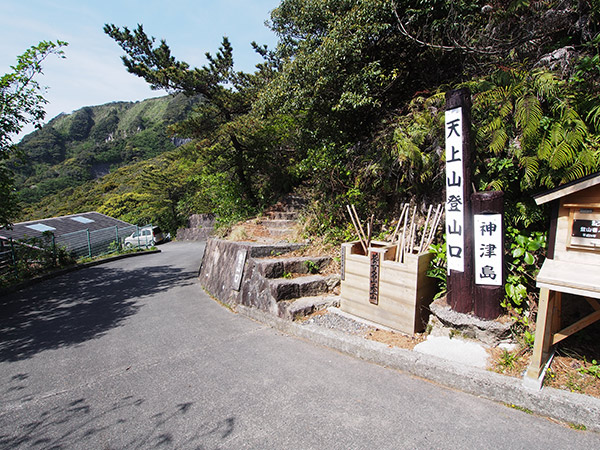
(91, 142)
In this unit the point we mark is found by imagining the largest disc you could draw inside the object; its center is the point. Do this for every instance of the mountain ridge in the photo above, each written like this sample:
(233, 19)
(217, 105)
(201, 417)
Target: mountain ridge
(72, 149)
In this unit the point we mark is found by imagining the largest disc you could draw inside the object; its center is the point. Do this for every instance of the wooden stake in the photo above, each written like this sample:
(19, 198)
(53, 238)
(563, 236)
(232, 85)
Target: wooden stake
(370, 230)
(362, 232)
(411, 229)
(431, 232)
(438, 217)
(402, 214)
(356, 228)
(425, 228)
(413, 234)
(400, 248)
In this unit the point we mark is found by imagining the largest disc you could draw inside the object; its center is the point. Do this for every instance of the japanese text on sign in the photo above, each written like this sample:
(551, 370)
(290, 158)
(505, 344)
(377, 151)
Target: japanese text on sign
(455, 238)
(488, 250)
(374, 278)
(589, 229)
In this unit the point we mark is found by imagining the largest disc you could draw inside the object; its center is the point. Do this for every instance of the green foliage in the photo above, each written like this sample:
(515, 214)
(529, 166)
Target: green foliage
(81, 124)
(21, 103)
(507, 360)
(524, 257)
(72, 149)
(34, 257)
(593, 369)
(533, 132)
(311, 267)
(526, 254)
(438, 267)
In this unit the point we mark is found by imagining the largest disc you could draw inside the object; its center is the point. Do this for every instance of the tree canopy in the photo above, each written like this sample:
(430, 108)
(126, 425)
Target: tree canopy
(349, 105)
(21, 103)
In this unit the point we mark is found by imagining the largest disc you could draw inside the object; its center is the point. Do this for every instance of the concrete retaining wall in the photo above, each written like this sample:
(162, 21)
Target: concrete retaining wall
(200, 227)
(222, 260)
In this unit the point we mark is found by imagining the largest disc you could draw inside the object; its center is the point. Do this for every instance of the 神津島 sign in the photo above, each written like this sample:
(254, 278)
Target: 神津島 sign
(455, 213)
(488, 249)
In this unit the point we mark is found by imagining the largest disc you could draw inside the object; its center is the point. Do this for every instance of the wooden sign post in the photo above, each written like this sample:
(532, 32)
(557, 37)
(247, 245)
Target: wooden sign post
(459, 225)
(488, 209)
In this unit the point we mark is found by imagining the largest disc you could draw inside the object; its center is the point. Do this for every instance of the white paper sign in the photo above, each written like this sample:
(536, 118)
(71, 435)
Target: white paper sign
(488, 249)
(455, 213)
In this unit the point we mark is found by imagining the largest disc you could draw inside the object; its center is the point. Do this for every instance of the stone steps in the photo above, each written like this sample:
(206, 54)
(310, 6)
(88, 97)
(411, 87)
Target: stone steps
(282, 215)
(304, 306)
(307, 286)
(265, 281)
(278, 267)
(278, 223)
(281, 219)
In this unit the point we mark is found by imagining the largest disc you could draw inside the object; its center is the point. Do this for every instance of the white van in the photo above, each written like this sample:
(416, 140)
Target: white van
(144, 237)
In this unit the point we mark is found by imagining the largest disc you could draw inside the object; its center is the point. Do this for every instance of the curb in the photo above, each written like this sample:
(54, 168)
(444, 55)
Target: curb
(557, 404)
(57, 273)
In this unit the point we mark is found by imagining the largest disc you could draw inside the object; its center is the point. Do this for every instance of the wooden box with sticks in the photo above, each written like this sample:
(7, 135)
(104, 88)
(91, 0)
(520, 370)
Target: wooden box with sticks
(387, 282)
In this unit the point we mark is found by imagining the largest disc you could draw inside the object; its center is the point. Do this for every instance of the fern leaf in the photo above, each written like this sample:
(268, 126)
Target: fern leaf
(546, 84)
(594, 117)
(499, 140)
(576, 171)
(532, 168)
(528, 115)
(562, 156)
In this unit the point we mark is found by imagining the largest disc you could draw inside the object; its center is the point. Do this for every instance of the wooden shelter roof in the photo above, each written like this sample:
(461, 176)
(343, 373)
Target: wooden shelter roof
(567, 189)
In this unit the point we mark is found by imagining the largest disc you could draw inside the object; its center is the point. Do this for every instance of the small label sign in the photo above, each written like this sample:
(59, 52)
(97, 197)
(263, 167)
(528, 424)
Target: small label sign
(488, 250)
(374, 278)
(588, 229)
(239, 268)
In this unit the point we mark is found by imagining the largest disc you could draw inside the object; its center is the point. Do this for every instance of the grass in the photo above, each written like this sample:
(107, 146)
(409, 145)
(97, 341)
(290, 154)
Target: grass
(519, 408)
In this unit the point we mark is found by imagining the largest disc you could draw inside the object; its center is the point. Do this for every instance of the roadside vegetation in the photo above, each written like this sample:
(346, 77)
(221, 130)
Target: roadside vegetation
(348, 108)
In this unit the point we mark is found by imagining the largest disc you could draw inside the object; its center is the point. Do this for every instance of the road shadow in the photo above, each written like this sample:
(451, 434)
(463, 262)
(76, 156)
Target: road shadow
(78, 306)
(129, 422)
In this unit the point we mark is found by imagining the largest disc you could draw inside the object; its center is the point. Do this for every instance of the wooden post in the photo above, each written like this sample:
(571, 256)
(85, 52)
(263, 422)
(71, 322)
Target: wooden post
(543, 333)
(459, 228)
(488, 296)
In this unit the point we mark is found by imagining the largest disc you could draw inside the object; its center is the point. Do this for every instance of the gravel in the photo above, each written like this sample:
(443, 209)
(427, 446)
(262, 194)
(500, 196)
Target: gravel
(338, 322)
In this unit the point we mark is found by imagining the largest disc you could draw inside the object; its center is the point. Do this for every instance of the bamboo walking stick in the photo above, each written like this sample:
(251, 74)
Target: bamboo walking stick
(436, 222)
(362, 232)
(356, 228)
(399, 223)
(411, 229)
(425, 228)
(400, 250)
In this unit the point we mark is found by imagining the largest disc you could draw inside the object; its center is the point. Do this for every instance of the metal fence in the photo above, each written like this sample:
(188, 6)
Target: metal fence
(94, 243)
(24, 258)
(6, 263)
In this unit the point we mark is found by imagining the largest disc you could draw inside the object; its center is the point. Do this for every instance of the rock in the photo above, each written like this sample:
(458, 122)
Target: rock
(491, 332)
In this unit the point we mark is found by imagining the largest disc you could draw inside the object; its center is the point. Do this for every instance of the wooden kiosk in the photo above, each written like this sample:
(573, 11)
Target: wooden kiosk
(572, 266)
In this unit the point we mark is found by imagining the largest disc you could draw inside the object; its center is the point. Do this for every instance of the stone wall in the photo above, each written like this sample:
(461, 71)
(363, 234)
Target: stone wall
(218, 273)
(200, 227)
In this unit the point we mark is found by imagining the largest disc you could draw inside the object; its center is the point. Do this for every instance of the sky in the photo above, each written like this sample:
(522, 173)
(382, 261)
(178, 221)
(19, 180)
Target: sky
(92, 72)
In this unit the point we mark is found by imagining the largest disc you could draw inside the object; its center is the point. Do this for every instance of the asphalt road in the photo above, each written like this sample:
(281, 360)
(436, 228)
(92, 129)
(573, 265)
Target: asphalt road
(133, 354)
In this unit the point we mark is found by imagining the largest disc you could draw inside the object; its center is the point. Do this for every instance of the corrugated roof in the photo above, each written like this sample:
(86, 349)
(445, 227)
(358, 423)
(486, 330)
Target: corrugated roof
(62, 225)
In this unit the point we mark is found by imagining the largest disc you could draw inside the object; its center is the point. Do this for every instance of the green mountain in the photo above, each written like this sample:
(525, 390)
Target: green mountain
(94, 141)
